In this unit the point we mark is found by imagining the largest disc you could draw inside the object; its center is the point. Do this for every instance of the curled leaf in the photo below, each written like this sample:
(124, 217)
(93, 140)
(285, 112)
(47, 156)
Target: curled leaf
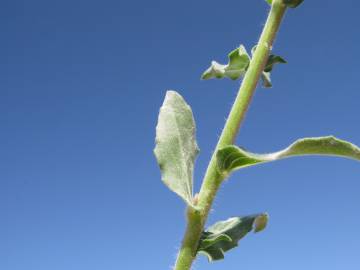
(231, 158)
(271, 62)
(238, 63)
(176, 147)
(225, 235)
(210, 239)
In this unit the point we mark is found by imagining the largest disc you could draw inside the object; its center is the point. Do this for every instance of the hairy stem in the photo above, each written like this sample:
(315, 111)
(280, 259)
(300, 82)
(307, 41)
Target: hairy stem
(213, 179)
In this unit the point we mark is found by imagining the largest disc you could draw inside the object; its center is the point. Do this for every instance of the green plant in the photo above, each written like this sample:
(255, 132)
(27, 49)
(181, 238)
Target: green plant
(176, 148)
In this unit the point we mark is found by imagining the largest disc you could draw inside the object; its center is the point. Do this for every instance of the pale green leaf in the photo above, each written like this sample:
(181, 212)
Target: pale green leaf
(176, 147)
(238, 63)
(231, 158)
(225, 235)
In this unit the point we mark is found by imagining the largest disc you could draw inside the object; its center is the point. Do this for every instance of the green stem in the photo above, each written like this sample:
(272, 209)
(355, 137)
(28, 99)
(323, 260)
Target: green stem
(213, 179)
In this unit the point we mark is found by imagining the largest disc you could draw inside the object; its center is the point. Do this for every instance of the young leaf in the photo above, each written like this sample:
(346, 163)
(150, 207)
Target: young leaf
(231, 158)
(176, 147)
(225, 235)
(271, 62)
(238, 63)
(266, 80)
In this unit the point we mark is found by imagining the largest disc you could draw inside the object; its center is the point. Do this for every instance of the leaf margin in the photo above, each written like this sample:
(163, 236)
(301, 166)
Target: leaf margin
(163, 143)
(238, 158)
(235, 228)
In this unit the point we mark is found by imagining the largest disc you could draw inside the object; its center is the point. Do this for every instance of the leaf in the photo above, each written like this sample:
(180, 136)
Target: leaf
(292, 3)
(271, 62)
(225, 235)
(238, 63)
(266, 80)
(212, 239)
(176, 147)
(232, 158)
(269, 2)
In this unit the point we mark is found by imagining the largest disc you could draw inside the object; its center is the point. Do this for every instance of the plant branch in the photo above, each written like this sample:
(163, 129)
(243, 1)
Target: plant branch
(212, 180)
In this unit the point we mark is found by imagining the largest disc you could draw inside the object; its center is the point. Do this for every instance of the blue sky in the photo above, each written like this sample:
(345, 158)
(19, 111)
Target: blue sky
(81, 86)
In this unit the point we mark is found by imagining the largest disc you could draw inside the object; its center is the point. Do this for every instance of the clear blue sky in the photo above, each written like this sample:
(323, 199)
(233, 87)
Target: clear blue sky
(80, 88)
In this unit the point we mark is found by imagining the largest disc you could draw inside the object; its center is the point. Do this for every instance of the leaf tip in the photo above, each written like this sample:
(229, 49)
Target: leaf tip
(171, 94)
(261, 222)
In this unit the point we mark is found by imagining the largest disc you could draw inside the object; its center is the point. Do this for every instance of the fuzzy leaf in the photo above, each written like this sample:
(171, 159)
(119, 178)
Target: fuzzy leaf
(271, 62)
(176, 147)
(225, 235)
(293, 3)
(238, 63)
(232, 158)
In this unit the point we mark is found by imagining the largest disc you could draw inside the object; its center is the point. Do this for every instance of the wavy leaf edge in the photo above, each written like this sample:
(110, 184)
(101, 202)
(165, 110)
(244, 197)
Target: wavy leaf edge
(225, 235)
(232, 157)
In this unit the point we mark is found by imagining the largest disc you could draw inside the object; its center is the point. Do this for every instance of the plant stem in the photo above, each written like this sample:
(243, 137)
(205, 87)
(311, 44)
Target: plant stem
(212, 180)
